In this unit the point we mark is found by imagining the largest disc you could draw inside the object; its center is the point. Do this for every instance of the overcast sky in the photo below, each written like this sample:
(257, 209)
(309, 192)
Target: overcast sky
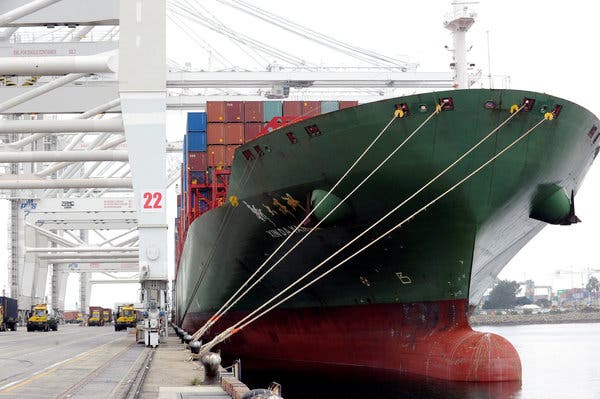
(548, 46)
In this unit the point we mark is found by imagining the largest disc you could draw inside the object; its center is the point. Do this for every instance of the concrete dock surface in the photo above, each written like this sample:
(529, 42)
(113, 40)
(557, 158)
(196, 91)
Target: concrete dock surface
(97, 362)
(73, 362)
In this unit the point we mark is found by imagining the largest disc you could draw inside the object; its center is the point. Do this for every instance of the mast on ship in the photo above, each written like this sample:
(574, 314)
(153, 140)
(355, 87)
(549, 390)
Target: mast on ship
(459, 23)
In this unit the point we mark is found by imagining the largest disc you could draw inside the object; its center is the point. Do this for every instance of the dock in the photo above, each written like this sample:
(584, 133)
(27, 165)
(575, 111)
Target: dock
(97, 362)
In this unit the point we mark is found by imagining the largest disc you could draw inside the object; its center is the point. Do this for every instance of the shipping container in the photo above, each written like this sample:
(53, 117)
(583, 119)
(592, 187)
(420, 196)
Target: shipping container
(185, 144)
(229, 154)
(215, 111)
(253, 111)
(184, 176)
(292, 108)
(196, 122)
(251, 131)
(95, 316)
(234, 111)
(107, 315)
(348, 104)
(199, 177)
(197, 161)
(311, 108)
(216, 155)
(272, 109)
(215, 133)
(10, 313)
(181, 176)
(196, 141)
(201, 199)
(70, 316)
(234, 133)
(179, 200)
(329, 106)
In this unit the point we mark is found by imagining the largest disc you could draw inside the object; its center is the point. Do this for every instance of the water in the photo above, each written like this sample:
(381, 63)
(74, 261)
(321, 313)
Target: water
(559, 361)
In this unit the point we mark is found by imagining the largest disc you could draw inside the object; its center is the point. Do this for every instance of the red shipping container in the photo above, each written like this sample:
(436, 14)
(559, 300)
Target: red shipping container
(253, 111)
(251, 131)
(197, 161)
(234, 111)
(311, 108)
(348, 104)
(229, 154)
(292, 108)
(234, 133)
(215, 133)
(179, 200)
(215, 111)
(216, 155)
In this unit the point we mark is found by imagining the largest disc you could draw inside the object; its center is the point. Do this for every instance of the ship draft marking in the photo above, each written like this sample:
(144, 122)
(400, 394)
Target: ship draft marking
(404, 279)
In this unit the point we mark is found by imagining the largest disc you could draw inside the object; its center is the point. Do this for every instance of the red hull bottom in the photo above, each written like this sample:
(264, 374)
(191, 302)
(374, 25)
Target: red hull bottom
(431, 339)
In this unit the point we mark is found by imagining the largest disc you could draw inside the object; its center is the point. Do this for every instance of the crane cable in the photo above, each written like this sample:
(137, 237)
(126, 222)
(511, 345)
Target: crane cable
(229, 304)
(245, 322)
(283, 23)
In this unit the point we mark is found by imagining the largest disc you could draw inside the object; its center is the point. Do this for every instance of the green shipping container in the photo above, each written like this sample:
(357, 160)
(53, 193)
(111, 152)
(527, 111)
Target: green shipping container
(271, 109)
(329, 106)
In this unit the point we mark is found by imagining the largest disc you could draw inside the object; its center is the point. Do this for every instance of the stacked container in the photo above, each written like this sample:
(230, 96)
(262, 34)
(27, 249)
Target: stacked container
(225, 131)
(210, 143)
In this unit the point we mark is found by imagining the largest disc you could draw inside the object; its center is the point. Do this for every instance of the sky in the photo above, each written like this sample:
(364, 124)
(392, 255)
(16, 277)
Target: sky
(545, 46)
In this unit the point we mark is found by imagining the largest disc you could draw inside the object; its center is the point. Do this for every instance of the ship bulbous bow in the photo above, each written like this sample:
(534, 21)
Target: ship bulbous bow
(467, 355)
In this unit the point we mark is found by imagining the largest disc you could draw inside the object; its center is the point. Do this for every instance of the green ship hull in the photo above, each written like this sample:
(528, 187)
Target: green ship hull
(450, 253)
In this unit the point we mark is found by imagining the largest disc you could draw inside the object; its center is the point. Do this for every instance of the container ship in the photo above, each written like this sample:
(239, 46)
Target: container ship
(253, 171)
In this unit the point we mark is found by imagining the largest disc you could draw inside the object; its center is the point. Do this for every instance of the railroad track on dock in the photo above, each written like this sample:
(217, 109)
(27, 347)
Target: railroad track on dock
(19, 377)
(71, 391)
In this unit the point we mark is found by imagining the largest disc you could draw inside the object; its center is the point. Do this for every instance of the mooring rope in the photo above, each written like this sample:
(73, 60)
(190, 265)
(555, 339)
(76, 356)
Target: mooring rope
(245, 321)
(229, 303)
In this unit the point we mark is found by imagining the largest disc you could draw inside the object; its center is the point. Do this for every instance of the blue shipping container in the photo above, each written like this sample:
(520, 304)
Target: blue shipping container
(196, 122)
(200, 177)
(271, 109)
(196, 141)
(329, 106)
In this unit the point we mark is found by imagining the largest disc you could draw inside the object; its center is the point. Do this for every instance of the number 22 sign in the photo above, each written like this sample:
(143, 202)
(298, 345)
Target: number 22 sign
(152, 201)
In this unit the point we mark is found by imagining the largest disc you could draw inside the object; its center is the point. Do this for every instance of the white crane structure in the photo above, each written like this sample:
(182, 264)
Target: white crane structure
(84, 90)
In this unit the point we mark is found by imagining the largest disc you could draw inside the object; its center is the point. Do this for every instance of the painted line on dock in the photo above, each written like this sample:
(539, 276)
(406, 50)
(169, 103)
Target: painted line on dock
(63, 343)
(49, 369)
(127, 381)
(73, 389)
(17, 353)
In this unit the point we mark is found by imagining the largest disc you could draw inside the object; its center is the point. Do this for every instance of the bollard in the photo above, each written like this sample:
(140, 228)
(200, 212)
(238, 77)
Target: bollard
(187, 338)
(182, 336)
(195, 346)
(211, 362)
